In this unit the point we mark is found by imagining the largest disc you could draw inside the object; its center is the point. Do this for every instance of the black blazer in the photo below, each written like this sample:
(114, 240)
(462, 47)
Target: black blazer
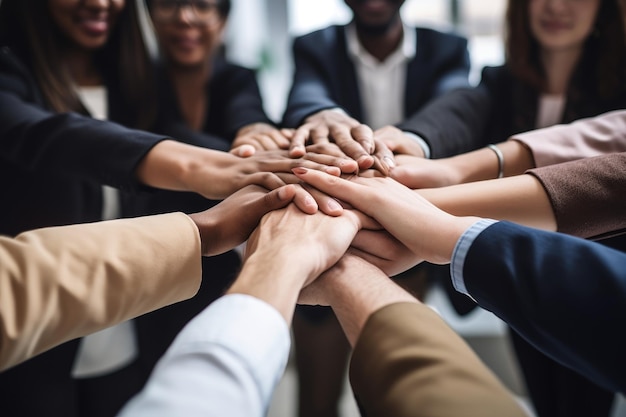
(501, 106)
(565, 295)
(51, 164)
(325, 76)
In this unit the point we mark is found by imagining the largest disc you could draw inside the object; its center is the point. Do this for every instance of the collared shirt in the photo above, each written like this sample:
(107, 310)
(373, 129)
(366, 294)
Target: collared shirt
(460, 253)
(226, 362)
(110, 349)
(383, 84)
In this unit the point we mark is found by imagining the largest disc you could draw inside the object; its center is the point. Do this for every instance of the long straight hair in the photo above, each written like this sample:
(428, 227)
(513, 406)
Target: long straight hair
(34, 37)
(606, 46)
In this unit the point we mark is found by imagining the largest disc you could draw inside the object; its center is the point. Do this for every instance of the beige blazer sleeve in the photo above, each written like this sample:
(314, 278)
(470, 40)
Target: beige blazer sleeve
(61, 283)
(408, 362)
(581, 139)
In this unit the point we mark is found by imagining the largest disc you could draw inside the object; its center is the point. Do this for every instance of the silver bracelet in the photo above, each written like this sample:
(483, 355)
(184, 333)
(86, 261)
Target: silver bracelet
(500, 156)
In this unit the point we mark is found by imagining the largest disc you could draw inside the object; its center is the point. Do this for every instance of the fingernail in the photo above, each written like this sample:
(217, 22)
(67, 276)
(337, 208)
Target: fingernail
(389, 161)
(333, 171)
(299, 170)
(282, 193)
(334, 205)
(310, 201)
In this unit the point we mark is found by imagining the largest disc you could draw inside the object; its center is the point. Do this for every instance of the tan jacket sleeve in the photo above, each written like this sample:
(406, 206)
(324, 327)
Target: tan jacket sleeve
(60, 283)
(408, 362)
(582, 139)
(588, 196)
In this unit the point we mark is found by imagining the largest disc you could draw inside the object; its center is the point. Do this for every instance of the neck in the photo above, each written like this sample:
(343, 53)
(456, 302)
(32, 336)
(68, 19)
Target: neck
(559, 67)
(83, 68)
(380, 46)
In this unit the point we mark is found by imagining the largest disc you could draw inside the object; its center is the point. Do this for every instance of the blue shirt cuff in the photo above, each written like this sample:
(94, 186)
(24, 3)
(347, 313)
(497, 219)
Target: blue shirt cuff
(460, 252)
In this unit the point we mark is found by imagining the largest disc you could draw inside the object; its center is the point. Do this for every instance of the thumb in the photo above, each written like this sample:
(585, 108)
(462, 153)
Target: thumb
(277, 198)
(243, 151)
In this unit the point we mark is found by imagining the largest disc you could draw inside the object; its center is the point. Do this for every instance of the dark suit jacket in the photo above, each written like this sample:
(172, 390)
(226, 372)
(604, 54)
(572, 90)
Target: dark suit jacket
(500, 107)
(325, 76)
(564, 295)
(408, 363)
(52, 164)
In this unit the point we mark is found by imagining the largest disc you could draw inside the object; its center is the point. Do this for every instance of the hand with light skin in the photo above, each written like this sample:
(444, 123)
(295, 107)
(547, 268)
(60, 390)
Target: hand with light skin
(260, 137)
(355, 289)
(279, 262)
(398, 142)
(215, 175)
(354, 138)
(478, 165)
(427, 231)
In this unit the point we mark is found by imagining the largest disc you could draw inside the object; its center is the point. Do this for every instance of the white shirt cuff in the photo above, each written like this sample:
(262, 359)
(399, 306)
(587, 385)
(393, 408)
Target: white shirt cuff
(421, 142)
(460, 253)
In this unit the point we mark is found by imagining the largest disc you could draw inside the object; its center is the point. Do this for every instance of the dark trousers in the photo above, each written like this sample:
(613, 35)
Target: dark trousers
(557, 391)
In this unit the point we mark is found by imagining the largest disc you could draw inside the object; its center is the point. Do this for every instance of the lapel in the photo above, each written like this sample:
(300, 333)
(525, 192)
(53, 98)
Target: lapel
(416, 76)
(348, 87)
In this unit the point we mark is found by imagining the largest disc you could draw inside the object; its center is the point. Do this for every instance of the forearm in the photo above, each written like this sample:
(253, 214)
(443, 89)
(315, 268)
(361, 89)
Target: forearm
(356, 290)
(520, 199)
(100, 280)
(482, 164)
(176, 166)
(277, 282)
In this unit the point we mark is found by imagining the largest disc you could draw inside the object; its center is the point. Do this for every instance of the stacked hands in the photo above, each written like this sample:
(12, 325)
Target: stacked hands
(325, 212)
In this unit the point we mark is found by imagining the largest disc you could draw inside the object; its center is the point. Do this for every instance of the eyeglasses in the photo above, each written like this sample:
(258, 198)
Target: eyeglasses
(203, 12)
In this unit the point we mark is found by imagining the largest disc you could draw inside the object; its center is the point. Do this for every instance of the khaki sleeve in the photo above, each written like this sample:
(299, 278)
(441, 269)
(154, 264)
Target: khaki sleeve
(60, 283)
(408, 362)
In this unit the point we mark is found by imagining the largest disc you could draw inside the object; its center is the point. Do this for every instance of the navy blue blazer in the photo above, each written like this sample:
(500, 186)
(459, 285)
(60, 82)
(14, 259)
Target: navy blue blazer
(325, 76)
(565, 295)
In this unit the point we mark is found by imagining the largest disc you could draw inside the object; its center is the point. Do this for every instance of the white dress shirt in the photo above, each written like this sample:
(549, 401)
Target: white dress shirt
(111, 349)
(226, 362)
(382, 84)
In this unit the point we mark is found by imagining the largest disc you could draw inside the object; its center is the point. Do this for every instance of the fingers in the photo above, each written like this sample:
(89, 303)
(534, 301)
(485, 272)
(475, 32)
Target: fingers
(354, 149)
(364, 135)
(346, 165)
(244, 150)
(337, 187)
(296, 148)
(384, 155)
(325, 203)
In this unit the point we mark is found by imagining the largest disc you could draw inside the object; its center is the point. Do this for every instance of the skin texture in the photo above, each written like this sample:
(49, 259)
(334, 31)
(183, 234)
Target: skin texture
(88, 23)
(560, 25)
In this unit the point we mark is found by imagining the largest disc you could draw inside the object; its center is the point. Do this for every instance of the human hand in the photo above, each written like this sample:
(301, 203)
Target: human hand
(384, 251)
(354, 138)
(223, 174)
(304, 245)
(229, 223)
(260, 137)
(429, 232)
(398, 142)
(416, 172)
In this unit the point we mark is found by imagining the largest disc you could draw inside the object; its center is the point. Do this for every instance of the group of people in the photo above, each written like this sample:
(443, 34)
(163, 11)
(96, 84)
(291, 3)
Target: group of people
(385, 161)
